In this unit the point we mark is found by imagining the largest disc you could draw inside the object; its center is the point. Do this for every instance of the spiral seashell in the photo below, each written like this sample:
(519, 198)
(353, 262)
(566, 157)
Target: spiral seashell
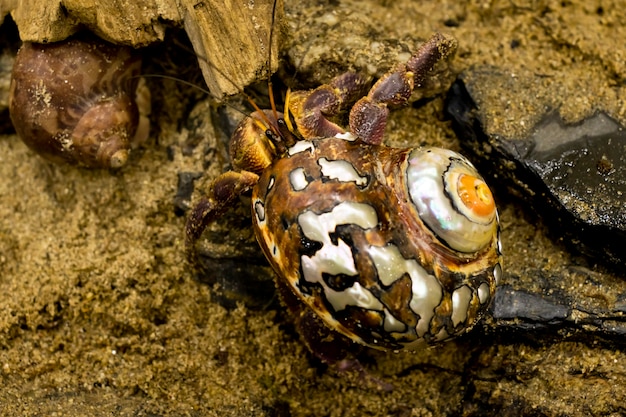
(392, 248)
(74, 101)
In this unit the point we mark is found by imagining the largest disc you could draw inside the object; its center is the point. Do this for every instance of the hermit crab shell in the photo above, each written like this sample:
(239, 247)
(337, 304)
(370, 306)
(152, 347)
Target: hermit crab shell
(74, 101)
(393, 248)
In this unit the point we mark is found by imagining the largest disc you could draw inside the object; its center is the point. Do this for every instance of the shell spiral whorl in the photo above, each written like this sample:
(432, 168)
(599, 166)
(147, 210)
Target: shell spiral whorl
(74, 101)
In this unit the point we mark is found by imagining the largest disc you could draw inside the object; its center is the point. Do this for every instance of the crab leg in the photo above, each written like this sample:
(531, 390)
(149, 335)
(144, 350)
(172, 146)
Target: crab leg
(312, 109)
(368, 117)
(222, 193)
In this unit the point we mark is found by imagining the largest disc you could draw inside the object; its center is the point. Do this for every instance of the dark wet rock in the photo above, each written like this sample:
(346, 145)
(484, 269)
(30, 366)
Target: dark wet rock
(575, 304)
(248, 281)
(184, 189)
(231, 262)
(572, 174)
(534, 308)
(532, 317)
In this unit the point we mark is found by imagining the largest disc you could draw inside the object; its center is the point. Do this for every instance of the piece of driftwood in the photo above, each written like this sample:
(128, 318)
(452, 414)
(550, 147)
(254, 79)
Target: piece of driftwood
(231, 39)
(232, 35)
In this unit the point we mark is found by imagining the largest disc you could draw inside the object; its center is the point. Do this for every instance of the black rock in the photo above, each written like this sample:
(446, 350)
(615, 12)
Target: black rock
(573, 175)
(552, 311)
(184, 190)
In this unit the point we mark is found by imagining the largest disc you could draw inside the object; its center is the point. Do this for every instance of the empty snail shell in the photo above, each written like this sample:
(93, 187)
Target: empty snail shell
(74, 101)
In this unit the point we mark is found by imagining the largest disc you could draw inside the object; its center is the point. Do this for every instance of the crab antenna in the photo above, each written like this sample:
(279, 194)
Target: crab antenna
(287, 117)
(264, 119)
(192, 85)
(269, 62)
(263, 116)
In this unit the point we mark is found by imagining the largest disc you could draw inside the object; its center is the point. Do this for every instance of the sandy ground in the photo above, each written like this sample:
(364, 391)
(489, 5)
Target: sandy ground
(101, 315)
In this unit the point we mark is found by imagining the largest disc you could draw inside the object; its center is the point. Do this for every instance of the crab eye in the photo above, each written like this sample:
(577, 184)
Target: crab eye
(451, 198)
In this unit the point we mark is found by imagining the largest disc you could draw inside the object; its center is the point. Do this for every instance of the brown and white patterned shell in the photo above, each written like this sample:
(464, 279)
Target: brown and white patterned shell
(392, 248)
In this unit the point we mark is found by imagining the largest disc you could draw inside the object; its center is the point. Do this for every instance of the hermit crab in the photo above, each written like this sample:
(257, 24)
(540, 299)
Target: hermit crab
(389, 248)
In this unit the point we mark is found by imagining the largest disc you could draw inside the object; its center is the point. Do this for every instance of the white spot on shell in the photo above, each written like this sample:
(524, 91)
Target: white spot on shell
(337, 259)
(301, 146)
(461, 298)
(346, 136)
(484, 293)
(334, 260)
(426, 289)
(427, 294)
(259, 209)
(298, 179)
(497, 273)
(442, 335)
(392, 324)
(317, 227)
(358, 296)
(341, 170)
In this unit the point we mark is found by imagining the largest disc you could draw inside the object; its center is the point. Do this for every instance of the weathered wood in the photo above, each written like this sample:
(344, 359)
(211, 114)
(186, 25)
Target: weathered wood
(231, 38)
(128, 23)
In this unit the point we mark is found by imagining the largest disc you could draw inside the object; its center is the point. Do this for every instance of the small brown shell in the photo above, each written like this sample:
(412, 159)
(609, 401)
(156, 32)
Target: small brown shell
(74, 101)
